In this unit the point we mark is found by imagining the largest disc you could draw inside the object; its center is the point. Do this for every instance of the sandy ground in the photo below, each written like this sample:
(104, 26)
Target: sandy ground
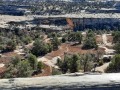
(102, 68)
(105, 42)
(2, 65)
(47, 62)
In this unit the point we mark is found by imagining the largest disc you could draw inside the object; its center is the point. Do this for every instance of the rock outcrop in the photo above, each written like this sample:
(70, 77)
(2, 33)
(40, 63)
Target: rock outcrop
(64, 82)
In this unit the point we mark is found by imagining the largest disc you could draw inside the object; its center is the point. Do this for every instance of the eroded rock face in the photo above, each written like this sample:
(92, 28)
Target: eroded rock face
(64, 82)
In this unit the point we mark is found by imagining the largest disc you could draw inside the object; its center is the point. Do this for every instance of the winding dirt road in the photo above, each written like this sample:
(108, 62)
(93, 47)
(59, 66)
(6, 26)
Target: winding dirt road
(107, 50)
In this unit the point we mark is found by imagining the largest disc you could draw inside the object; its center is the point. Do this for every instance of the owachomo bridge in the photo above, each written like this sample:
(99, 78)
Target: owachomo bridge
(64, 82)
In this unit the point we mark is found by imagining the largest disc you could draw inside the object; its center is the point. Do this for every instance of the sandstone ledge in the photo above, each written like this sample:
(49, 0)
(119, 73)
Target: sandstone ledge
(64, 82)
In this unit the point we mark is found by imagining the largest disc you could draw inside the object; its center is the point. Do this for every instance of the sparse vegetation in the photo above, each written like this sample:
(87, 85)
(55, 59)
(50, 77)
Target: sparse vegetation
(77, 49)
(22, 67)
(74, 63)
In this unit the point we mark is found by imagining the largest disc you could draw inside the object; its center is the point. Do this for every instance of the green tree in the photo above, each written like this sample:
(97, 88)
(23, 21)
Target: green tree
(11, 45)
(39, 66)
(10, 71)
(78, 37)
(26, 39)
(117, 48)
(55, 43)
(86, 62)
(50, 47)
(90, 41)
(33, 61)
(114, 66)
(52, 35)
(16, 60)
(116, 37)
(18, 68)
(24, 69)
(2, 47)
(64, 64)
(70, 63)
(74, 63)
(75, 37)
(39, 48)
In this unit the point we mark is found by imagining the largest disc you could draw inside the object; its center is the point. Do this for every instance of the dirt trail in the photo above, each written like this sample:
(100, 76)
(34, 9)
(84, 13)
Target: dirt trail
(105, 44)
(47, 59)
(104, 37)
(102, 68)
(105, 40)
(107, 50)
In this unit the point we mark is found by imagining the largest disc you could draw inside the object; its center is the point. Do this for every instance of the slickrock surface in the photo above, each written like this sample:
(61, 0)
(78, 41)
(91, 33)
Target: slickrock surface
(76, 81)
